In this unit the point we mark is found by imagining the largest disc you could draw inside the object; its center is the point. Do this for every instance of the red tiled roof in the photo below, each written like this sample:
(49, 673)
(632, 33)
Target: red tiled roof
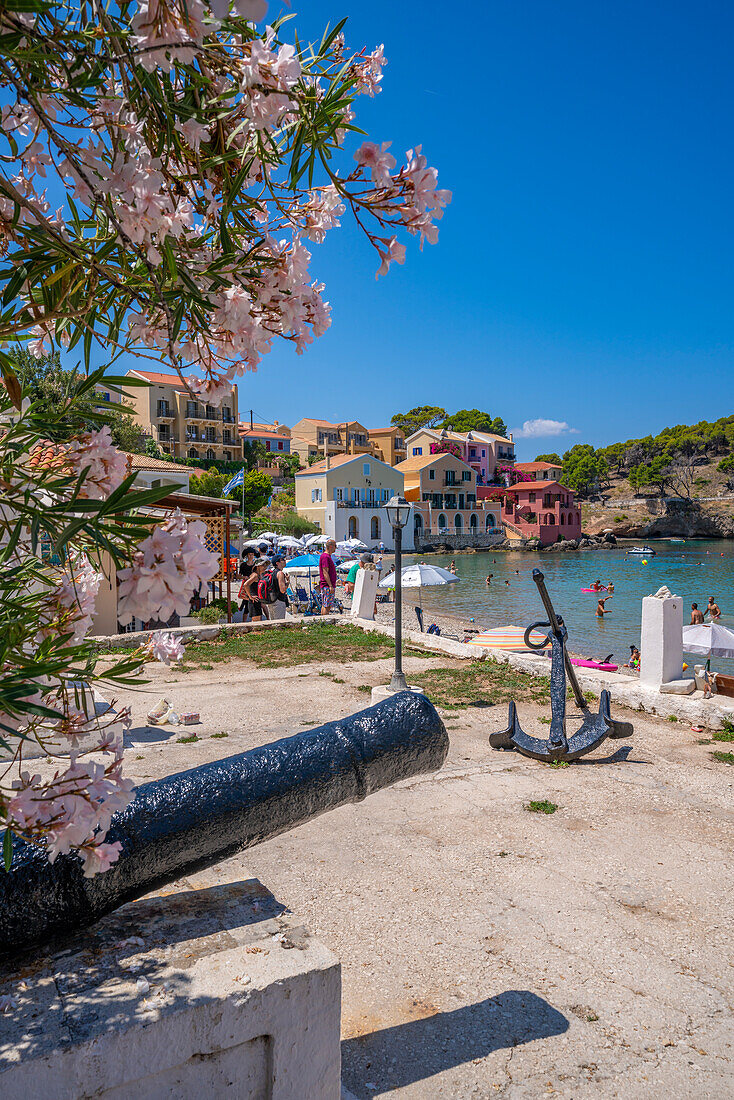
(532, 485)
(528, 466)
(262, 433)
(156, 376)
(337, 460)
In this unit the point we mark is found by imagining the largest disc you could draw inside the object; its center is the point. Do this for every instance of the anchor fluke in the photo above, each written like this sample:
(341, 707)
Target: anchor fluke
(595, 728)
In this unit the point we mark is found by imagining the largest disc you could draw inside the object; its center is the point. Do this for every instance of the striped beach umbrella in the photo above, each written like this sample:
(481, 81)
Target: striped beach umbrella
(505, 637)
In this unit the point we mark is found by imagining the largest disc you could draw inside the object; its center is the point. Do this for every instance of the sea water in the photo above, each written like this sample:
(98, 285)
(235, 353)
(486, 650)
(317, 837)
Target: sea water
(694, 570)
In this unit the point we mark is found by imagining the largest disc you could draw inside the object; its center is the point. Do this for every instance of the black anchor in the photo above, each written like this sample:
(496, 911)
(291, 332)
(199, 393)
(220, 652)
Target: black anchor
(594, 728)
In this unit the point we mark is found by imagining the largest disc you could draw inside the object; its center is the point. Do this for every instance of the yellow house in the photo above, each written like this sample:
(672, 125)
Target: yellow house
(388, 444)
(182, 426)
(310, 438)
(346, 497)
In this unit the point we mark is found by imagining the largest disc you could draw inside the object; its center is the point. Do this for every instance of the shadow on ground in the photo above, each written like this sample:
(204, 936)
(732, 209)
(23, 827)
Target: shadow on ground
(407, 1053)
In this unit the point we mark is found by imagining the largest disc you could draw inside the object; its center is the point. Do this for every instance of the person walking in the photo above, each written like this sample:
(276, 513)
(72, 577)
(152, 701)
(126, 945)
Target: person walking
(327, 577)
(277, 608)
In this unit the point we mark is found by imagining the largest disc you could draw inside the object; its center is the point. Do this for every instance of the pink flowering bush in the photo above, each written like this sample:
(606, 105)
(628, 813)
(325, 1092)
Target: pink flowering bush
(197, 153)
(166, 167)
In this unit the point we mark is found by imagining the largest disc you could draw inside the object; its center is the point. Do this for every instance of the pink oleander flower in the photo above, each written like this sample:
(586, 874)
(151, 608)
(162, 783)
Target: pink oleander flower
(165, 647)
(72, 602)
(395, 253)
(99, 857)
(194, 132)
(106, 466)
(168, 569)
(378, 160)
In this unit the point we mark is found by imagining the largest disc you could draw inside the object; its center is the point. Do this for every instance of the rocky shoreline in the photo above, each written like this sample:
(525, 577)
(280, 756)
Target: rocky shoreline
(606, 541)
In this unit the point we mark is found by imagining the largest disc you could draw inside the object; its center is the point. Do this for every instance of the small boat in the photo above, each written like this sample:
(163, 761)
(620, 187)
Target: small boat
(676, 540)
(648, 550)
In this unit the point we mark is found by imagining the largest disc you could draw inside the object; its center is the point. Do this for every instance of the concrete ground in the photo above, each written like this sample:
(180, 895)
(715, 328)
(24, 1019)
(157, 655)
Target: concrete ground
(488, 950)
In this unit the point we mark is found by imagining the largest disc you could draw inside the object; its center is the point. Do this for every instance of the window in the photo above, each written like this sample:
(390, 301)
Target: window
(442, 521)
(417, 450)
(227, 437)
(531, 498)
(319, 492)
(227, 456)
(489, 522)
(431, 475)
(105, 396)
(210, 455)
(313, 496)
(280, 444)
(339, 494)
(366, 469)
(466, 475)
(473, 521)
(473, 452)
(484, 454)
(458, 521)
(385, 494)
(375, 528)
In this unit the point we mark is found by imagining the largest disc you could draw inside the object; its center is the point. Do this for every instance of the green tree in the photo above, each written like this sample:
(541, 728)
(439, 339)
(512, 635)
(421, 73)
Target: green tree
(257, 491)
(550, 457)
(50, 387)
(289, 464)
(473, 420)
(209, 483)
(254, 453)
(583, 469)
(423, 416)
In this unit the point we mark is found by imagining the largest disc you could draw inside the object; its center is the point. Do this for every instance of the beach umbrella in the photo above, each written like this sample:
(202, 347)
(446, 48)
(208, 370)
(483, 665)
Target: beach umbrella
(288, 540)
(419, 576)
(269, 535)
(709, 640)
(505, 637)
(353, 544)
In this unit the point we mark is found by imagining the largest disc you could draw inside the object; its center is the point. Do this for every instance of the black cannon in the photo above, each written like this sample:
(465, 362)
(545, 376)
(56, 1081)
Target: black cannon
(193, 819)
(594, 728)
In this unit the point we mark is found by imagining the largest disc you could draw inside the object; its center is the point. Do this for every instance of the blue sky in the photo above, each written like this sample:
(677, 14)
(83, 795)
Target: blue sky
(583, 272)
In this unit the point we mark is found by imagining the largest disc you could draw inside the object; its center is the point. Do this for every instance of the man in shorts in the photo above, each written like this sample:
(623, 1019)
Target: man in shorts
(327, 577)
(254, 605)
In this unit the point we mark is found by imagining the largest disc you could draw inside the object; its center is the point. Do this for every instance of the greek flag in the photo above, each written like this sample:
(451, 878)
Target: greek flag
(235, 483)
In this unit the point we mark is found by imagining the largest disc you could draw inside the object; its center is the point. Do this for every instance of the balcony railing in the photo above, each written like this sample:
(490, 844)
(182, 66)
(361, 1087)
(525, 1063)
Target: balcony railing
(361, 504)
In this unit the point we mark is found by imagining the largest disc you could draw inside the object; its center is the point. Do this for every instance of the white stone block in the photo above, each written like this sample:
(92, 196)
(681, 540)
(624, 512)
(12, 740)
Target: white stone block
(661, 645)
(206, 990)
(365, 591)
(678, 687)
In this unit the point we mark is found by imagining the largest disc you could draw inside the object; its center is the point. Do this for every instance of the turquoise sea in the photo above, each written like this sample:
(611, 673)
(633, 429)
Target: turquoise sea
(694, 570)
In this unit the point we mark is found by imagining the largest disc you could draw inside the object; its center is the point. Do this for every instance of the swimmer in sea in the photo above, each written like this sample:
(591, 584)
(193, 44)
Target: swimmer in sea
(601, 610)
(489, 578)
(610, 587)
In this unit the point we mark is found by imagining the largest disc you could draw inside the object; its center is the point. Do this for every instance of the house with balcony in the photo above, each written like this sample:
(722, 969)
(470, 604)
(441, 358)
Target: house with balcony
(483, 451)
(443, 490)
(388, 444)
(540, 471)
(311, 439)
(275, 438)
(183, 426)
(545, 510)
(346, 496)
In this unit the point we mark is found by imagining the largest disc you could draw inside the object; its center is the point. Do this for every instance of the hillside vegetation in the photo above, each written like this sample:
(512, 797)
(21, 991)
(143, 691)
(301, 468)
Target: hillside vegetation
(681, 461)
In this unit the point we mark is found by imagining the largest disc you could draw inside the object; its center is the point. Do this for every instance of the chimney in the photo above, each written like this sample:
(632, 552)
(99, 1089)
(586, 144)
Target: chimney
(327, 462)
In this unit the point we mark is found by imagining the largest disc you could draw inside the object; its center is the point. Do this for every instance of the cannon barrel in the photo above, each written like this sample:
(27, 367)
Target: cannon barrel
(195, 818)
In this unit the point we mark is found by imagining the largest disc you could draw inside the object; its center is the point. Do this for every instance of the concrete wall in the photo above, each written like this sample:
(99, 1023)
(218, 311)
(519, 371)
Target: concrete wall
(466, 540)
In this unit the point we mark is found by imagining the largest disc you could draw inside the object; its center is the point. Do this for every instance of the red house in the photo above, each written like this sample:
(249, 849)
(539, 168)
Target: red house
(545, 510)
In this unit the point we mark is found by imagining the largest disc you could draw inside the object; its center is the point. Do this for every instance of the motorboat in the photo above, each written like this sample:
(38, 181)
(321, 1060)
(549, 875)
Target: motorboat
(646, 550)
(676, 540)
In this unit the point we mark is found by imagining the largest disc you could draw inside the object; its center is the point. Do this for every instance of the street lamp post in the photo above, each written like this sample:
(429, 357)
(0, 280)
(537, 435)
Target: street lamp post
(398, 514)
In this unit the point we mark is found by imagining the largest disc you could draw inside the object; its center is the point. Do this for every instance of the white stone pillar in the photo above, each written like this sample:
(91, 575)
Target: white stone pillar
(661, 645)
(365, 590)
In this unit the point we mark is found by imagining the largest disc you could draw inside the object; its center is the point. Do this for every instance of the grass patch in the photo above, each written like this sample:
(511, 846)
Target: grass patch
(364, 687)
(187, 740)
(220, 735)
(672, 717)
(483, 683)
(726, 733)
(559, 764)
(294, 646)
(724, 757)
(543, 807)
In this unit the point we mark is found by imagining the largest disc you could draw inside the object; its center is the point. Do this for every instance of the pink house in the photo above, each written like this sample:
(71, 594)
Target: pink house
(545, 510)
(481, 451)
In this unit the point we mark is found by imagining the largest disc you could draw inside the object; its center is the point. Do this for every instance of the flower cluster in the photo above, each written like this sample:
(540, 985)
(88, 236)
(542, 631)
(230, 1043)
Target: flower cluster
(69, 607)
(190, 163)
(165, 647)
(167, 570)
(73, 809)
(104, 466)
